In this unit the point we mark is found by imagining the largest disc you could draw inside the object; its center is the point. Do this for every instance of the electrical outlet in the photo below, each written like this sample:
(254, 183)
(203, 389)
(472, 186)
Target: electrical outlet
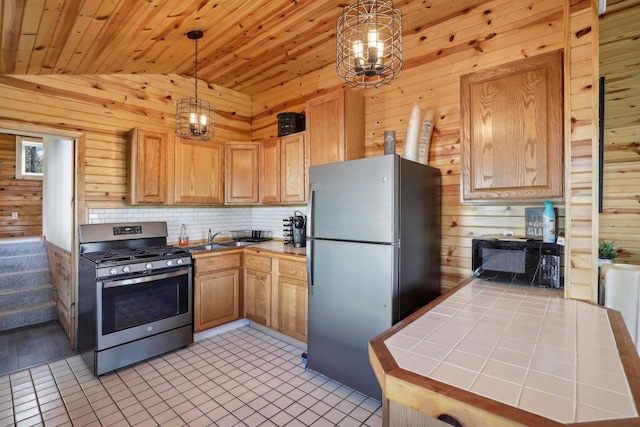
(14, 215)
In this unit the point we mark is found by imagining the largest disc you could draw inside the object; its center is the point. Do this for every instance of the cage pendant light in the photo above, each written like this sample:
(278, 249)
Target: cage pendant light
(369, 44)
(194, 117)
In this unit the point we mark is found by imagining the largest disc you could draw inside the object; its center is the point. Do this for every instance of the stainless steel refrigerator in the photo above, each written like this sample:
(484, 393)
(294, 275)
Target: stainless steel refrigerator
(373, 257)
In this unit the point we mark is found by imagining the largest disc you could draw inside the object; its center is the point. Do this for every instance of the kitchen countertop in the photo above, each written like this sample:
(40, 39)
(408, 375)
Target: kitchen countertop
(272, 246)
(525, 354)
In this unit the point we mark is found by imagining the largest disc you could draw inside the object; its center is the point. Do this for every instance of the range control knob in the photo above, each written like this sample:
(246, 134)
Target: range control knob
(148, 266)
(126, 269)
(179, 261)
(169, 263)
(113, 271)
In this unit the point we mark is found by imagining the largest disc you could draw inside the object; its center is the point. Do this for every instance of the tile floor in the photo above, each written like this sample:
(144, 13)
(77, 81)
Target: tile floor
(33, 345)
(240, 378)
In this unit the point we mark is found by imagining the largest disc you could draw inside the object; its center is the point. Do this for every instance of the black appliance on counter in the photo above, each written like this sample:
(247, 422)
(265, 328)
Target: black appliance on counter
(299, 235)
(134, 294)
(520, 261)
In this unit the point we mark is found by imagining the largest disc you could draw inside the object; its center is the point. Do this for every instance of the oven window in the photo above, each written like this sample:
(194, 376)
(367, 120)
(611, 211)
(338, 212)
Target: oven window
(503, 260)
(128, 306)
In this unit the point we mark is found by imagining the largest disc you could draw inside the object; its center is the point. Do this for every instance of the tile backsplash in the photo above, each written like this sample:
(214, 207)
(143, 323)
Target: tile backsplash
(200, 220)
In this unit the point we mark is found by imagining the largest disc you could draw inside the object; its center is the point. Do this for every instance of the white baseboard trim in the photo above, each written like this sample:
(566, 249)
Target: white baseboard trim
(199, 336)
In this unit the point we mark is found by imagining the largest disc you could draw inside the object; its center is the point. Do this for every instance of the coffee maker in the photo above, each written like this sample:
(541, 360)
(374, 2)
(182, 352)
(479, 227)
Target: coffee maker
(299, 225)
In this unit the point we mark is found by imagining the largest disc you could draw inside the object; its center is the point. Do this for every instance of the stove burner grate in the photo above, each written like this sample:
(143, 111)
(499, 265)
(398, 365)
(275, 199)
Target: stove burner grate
(115, 256)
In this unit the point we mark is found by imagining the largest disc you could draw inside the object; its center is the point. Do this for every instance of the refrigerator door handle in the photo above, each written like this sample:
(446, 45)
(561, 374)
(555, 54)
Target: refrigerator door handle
(310, 266)
(310, 230)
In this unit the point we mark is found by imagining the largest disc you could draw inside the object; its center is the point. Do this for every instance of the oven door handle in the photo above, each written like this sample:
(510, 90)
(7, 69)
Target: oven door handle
(137, 280)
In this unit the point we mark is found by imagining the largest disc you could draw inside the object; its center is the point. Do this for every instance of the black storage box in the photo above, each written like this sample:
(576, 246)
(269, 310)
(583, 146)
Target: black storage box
(289, 123)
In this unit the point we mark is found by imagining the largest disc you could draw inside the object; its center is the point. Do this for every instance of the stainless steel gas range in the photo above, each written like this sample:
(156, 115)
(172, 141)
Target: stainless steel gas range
(134, 294)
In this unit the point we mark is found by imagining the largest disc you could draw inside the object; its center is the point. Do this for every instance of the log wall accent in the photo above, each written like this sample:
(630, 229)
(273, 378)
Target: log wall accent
(581, 150)
(619, 53)
(61, 267)
(105, 107)
(17, 195)
(498, 32)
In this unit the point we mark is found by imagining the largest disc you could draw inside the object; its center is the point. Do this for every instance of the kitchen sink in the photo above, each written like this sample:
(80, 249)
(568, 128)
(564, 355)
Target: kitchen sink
(207, 247)
(234, 243)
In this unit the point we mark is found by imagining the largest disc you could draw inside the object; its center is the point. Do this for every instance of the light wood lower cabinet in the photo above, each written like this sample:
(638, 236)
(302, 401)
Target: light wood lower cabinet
(217, 293)
(269, 289)
(257, 288)
(276, 293)
(292, 308)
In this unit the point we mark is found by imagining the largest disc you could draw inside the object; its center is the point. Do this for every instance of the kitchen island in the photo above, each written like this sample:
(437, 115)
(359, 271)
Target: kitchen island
(500, 355)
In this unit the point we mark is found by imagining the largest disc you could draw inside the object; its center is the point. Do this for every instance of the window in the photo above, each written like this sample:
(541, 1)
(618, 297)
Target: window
(29, 157)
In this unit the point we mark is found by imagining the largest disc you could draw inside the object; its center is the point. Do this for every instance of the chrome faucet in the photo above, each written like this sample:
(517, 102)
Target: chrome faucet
(211, 236)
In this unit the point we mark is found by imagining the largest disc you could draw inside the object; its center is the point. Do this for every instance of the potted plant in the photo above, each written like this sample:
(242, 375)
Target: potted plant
(607, 252)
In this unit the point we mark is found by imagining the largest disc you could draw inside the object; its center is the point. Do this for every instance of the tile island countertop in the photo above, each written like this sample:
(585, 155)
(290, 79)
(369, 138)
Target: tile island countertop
(491, 354)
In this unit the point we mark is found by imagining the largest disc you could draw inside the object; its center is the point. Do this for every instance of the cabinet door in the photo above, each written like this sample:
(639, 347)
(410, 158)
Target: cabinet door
(292, 174)
(147, 176)
(335, 127)
(292, 307)
(270, 171)
(216, 299)
(511, 131)
(242, 173)
(199, 169)
(257, 291)
(324, 124)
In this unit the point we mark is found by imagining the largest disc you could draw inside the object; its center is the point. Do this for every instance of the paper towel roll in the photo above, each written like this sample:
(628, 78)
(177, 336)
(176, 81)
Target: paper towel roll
(410, 151)
(425, 136)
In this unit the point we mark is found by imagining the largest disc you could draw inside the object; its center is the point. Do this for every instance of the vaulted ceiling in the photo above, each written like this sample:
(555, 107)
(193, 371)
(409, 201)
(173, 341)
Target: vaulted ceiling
(248, 45)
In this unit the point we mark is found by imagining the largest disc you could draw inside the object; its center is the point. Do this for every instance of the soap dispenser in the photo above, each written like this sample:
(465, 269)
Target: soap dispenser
(184, 238)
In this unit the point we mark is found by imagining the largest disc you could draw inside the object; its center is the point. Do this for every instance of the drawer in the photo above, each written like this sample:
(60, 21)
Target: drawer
(257, 262)
(216, 263)
(293, 269)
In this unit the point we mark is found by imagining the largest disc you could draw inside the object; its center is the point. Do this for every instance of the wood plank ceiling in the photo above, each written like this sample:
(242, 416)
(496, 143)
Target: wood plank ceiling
(248, 45)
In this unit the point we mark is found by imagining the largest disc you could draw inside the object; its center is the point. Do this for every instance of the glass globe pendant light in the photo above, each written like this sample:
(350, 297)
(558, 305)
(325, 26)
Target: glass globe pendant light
(194, 117)
(369, 44)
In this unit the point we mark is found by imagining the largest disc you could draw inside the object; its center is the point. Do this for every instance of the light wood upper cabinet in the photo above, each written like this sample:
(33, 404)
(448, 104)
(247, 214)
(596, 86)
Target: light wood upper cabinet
(512, 131)
(242, 173)
(282, 170)
(150, 163)
(335, 127)
(293, 187)
(199, 171)
(270, 171)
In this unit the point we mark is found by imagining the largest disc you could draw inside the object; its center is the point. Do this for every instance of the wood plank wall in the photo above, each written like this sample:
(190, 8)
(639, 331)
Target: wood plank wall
(581, 124)
(501, 31)
(61, 267)
(105, 107)
(619, 53)
(498, 32)
(17, 195)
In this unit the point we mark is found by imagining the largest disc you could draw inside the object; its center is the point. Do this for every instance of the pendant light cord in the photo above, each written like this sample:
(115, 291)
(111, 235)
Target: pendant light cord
(195, 74)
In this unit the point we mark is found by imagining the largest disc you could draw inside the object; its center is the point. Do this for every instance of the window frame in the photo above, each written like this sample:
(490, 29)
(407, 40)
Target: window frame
(21, 143)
